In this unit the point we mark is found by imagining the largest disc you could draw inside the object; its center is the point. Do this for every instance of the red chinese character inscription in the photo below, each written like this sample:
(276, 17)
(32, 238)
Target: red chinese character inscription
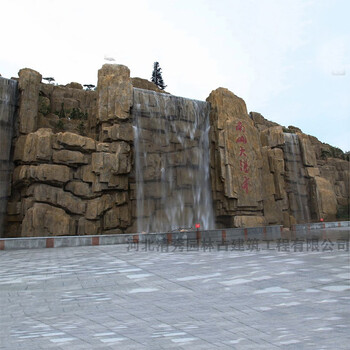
(242, 151)
(240, 127)
(244, 166)
(242, 139)
(245, 184)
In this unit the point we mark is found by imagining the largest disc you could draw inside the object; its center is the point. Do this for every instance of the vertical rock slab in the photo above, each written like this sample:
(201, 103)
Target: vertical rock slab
(271, 179)
(323, 199)
(29, 87)
(236, 160)
(307, 151)
(115, 93)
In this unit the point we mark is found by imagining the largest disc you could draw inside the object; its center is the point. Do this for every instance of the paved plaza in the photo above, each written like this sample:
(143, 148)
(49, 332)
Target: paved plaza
(177, 297)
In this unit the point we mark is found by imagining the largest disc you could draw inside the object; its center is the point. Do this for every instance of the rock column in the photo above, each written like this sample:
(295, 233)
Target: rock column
(236, 162)
(29, 87)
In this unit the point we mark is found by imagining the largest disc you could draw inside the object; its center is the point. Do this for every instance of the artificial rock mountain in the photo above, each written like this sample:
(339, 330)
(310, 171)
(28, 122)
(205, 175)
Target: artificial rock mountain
(73, 162)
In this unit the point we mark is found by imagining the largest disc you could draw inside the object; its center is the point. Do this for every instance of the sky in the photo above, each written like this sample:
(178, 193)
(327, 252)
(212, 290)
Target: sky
(288, 59)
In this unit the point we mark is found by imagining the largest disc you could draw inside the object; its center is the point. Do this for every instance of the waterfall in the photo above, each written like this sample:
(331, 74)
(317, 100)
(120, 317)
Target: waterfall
(8, 100)
(171, 162)
(296, 182)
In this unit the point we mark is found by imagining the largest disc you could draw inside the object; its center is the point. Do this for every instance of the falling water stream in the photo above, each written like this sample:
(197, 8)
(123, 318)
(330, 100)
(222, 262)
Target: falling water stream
(171, 162)
(8, 99)
(298, 189)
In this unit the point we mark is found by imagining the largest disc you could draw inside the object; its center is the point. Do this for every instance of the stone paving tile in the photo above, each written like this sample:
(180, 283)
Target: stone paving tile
(109, 297)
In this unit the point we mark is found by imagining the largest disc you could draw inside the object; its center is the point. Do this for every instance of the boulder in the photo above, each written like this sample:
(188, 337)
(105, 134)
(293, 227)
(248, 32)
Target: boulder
(43, 219)
(119, 182)
(312, 172)
(104, 164)
(117, 217)
(50, 173)
(102, 147)
(97, 206)
(117, 132)
(34, 147)
(226, 105)
(79, 188)
(77, 142)
(74, 85)
(73, 158)
(88, 227)
(115, 92)
(146, 85)
(108, 164)
(58, 197)
(121, 198)
(248, 221)
(85, 174)
(123, 154)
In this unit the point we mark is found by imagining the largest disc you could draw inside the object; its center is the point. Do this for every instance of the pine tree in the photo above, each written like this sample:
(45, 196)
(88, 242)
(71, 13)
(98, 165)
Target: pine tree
(157, 76)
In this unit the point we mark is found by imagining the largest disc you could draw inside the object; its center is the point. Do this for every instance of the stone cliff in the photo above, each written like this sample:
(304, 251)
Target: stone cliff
(74, 169)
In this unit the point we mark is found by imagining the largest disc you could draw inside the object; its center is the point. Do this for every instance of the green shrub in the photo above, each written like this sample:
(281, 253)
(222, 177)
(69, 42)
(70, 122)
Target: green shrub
(44, 105)
(286, 130)
(78, 114)
(81, 128)
(62, 113)
(343, 212)
(60, 125)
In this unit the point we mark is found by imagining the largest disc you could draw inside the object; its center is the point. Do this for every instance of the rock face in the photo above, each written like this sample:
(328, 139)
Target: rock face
(67, 108)
(74, 161)
(321, 184)
(63, 186)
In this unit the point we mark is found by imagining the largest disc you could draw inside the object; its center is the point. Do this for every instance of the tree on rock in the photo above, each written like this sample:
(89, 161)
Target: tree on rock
(49, 79)
(157, 76)
(89, 87)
